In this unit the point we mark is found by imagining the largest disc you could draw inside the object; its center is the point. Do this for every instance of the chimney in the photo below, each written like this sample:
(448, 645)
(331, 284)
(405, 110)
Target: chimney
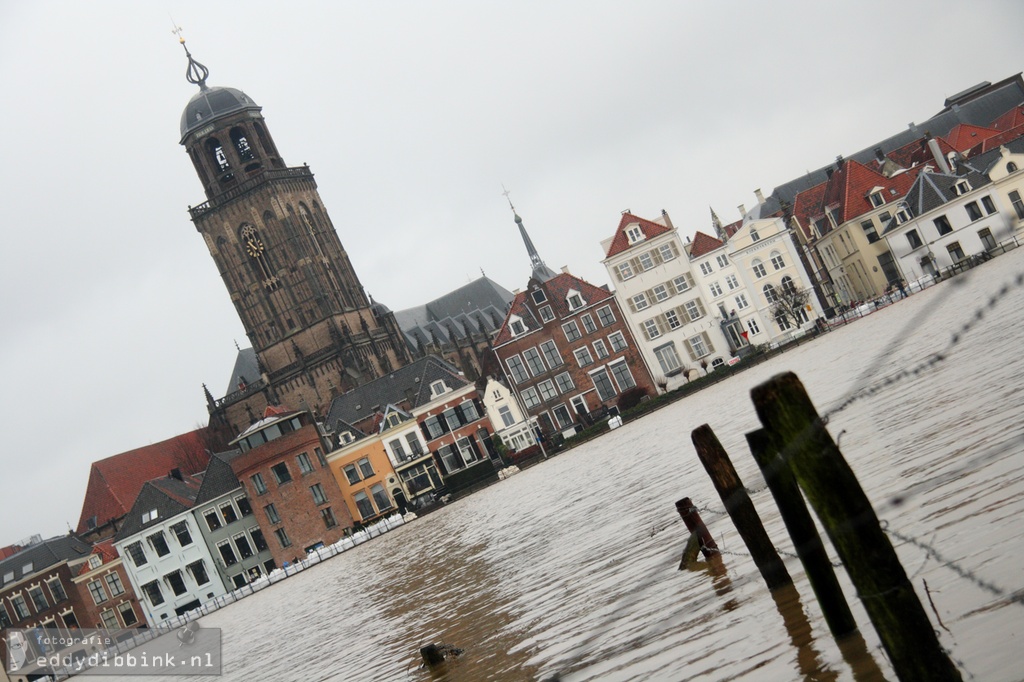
(829, 171)
(742, 209)
(933, 147)
(760, 197)
(175, 473)
(839, 161)
(913, 128)
(565, 269)
(879, 156)
(668, 221)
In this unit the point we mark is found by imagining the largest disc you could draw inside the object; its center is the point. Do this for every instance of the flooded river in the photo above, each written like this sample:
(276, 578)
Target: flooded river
(556, 571)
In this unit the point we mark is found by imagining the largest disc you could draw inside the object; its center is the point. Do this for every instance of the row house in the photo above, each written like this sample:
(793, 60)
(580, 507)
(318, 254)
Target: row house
(285, 475)
(948, 218)
(112, 600)
(364, 473)
(656, 284)
(168, 564)
(224, 516)
(507, 417)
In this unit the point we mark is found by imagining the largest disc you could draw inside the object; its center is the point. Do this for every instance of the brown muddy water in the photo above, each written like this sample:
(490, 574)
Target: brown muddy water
(556, 571)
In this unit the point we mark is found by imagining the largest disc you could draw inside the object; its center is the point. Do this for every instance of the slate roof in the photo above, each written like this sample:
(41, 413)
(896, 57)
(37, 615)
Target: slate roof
(114, 482)
(477, 307)
(44, 554)
(932, 190)
(983, 163)
(168, 496)
(247, 369)
(219, 478)
(411, 383)
(704, 244)
(556, 290)
(620, 242)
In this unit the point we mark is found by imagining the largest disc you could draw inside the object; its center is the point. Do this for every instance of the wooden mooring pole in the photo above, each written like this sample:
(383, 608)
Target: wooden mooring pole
(800, 525)
(741, 510)
(907, 634)
(696, 527)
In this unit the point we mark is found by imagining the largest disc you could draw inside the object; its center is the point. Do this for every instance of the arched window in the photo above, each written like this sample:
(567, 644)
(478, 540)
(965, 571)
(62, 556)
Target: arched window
(787, 285)
(754, 236)
(1011, 167)
(758, 267)
(777, 260)
(770, 294)
(241, 144)
(216, 150)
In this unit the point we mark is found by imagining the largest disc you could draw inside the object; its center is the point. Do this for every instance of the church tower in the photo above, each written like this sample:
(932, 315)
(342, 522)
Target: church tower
(314, 331)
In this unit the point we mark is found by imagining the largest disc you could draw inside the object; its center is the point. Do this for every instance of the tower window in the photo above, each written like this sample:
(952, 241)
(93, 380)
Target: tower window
(241, 144)
(217, 153)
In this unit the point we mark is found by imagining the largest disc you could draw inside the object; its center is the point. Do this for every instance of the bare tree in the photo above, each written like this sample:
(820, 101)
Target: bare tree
(790, 305)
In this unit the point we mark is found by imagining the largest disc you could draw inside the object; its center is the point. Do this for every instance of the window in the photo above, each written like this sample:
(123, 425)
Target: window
(352, 474)
(547, 390)
(788, 287)
(551, 354)
(363, 505)
(530, 398)
(136, 553)
(159, 544)
(175, 582)
(942, 225)
(227, 553)
(282, 536)
(955, 252)
(272, 514)
(625, 271)
(752, 326)
(380, 497)
(754, 236)
(564, 382)
(769, 293)
(660, 292)
(534, 362)
(318, 494)
(667, 252)
(562, 416)
(244, 508)
(243, 546)
(545, 313)
(707, 268)
(153, 593)
(962, 187)
(328, 517)
(606, 316)
(869, 230)
(583, 356)
(600, 350)
(668, 358)
(572, 332)
(451, 463)
(778, 262)
(672, 318)
(1011, 167)
(697, 346)
(783, 322)
(281, 473)
(973, 212)
(181, 533)
(988, 205)
(588, 323)
(21, 608)
(682, 283)
(212, 520)
(732, 282)
(56, 590)
(722, 260)
(228, 512)
(646, 262)
(114, 585)
(987, 241)
(538, 296)
(506, 416)
(877, 199)
(914, 239)
(517, 328)
(694, 309)
(469, 411)
(451, 418)
(5, 619)
(603, 384)
(305, 465)
(640, 301)
(258, 485)
(651, 329)
(741, 301)
(38, 599)
(623, 377)
(634, 234)
(759, 269)
(151, 515)
(365, 468)
(99, 595)
(258, 541)
(435, 428)
(902, 216)
(716, 289)
(127, 614)
(574, 300)
(617, 341)
(518, 370)
(1018, 204)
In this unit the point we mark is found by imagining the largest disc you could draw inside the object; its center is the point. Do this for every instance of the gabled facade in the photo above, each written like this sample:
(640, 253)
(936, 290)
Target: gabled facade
(509, 421)
(365, 474)
(294, 494)
(656, 286)
(416, 476)
(112, 602)
(169, 565)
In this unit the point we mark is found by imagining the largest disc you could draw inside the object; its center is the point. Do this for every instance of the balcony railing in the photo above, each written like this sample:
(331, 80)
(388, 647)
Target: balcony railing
(247, 186)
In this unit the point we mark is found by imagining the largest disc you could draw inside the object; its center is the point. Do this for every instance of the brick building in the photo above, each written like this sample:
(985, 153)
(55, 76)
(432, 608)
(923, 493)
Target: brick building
(293, 493)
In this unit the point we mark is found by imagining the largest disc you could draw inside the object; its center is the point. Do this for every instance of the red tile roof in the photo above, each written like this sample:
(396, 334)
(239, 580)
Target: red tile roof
(917, 153)
(106, 552)
(990, 143)
(806, 204)
(557, 290)
(1011, 119)
(115, 482)
(704, 244)
(964, 136)
(847, 190)
(620, 242)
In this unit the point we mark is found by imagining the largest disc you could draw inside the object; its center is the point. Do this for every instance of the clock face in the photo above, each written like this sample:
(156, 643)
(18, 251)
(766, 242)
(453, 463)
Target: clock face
(254, 246)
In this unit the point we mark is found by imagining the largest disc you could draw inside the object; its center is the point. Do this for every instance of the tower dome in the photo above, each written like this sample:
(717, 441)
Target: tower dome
(211, 103)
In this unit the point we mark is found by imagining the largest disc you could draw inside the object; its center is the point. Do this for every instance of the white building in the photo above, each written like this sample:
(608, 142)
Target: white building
(508, 419)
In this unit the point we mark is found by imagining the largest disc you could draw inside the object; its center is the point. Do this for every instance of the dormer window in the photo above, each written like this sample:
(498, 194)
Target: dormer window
(876, 197)
(151, 515)
(902, 216)
(394, 420)
(538, 296)
(438, 388)
(516, 326)
(345, 437)
(833, 216)
(95, 562)
(634, 234)
(574, 300)
(962, 187)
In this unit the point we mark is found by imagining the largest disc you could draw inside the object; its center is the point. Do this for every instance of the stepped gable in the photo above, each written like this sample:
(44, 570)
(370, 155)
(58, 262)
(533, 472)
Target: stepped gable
(620, 242)
(168, 496)
(964, 136)
(704, 244)
(410, 383)
(44, 554)
(115, 482)
(557, 289)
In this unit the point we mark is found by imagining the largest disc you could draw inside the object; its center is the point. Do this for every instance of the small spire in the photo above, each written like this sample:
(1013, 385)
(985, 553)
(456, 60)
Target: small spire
(541, 271)
(195, 73)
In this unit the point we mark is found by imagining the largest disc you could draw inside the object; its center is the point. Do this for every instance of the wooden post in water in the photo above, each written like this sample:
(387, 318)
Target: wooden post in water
(907, 634)
(737, 502)
(696, 526)
(805, 536)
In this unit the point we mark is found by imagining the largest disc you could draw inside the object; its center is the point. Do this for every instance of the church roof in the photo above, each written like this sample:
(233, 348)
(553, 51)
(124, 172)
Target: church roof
(479, 305)
(212, 103)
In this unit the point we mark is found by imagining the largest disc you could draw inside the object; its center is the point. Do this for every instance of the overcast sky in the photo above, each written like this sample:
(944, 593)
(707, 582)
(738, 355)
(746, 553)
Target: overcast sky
(411, 115)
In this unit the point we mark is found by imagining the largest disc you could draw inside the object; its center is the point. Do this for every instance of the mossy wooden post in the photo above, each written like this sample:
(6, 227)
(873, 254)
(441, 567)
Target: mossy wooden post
(907, 634)
(696, 527)
(805, 536)
(741, 510)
